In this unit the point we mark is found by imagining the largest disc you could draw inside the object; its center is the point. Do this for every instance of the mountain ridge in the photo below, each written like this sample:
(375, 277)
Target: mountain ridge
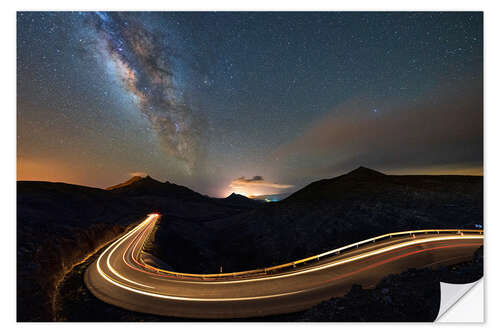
(125, 183)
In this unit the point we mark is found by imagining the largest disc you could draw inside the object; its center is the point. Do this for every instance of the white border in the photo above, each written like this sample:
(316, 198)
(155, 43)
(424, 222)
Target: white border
(8, 123)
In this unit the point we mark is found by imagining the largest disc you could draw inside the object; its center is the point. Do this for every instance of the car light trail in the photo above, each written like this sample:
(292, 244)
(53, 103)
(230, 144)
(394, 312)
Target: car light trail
(120, 265)
(340, 262)
(114, 246)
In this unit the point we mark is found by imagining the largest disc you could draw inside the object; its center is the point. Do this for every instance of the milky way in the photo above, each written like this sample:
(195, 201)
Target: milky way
(204, 98)
(141, 60)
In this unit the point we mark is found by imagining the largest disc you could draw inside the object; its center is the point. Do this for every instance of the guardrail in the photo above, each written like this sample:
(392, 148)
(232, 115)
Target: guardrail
(314, 258)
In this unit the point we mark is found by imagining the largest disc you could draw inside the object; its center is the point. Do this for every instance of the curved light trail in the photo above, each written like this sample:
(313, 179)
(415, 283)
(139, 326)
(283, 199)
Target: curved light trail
(120, 277)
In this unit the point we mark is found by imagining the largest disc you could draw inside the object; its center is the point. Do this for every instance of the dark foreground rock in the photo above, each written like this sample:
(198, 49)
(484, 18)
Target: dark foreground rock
(59, 224)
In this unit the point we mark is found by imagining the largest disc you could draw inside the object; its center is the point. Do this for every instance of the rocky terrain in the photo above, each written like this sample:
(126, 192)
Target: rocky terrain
(60, 224)
(413, 295)
(324, 215)
(57, 226)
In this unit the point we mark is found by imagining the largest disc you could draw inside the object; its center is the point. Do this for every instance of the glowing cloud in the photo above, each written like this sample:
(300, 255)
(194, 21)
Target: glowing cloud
(255, 186)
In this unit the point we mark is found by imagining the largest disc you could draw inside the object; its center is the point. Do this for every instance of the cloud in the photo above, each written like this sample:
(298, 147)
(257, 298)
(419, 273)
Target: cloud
(251, 180)
(441, 128)
(256, 181)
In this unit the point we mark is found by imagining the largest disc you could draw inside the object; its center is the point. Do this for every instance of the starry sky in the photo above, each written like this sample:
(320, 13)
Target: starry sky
(247, 102)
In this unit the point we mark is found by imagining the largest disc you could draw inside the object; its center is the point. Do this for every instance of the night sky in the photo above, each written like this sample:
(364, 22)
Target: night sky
(254, 103)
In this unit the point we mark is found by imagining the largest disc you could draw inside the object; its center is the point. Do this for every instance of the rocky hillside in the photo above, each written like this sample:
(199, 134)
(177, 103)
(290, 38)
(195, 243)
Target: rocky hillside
(59, 224)
(321, 216)
(125, 183)
(239, 200)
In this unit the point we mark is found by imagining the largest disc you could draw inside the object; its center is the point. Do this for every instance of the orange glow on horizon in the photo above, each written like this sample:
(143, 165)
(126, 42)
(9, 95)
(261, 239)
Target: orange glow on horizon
(440, 171)
(71, 172)
(48, 170)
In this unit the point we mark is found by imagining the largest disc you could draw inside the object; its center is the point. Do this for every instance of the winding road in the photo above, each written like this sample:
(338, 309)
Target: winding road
(120, 276)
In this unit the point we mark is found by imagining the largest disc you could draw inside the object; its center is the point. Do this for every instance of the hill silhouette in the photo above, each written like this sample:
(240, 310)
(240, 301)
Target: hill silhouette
(126, 183)
(58, 224)
(326, 214)
(147, 186)
(240, 200)
(329, 188)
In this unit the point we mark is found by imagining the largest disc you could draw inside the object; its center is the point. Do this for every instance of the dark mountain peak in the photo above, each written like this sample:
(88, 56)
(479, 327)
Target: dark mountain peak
(342, 186)
(239, 200)
(136, 181)
(147, 186)
(235, 196)
(363, 172)
(148, 179)
(126, 183)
